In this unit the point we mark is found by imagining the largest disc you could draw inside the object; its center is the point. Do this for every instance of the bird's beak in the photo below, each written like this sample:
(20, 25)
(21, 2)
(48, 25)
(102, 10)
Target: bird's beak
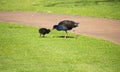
(77, 23)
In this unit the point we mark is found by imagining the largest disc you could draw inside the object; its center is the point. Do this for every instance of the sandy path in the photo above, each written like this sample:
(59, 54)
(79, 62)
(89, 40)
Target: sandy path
(108, 29)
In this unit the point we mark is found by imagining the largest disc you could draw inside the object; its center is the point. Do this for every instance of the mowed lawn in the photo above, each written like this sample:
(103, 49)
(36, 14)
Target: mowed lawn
(92, 8)
(23, 50)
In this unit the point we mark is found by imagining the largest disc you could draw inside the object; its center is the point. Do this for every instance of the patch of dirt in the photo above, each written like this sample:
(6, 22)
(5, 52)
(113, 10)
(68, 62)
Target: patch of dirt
(107, 29)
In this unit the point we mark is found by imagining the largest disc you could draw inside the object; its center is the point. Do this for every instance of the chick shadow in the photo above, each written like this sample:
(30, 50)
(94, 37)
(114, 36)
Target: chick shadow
(43, 37)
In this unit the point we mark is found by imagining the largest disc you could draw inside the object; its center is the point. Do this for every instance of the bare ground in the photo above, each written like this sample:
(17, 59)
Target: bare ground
(107, 29)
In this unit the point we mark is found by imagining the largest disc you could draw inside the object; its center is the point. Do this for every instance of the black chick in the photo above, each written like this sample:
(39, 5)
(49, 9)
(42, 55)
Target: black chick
(43, 31)
(65, 25)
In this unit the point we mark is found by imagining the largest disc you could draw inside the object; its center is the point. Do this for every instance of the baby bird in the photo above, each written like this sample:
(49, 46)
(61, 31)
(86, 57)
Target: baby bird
(43, 31)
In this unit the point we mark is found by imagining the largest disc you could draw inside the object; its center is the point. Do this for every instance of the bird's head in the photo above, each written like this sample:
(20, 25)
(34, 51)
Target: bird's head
(54, 27)
(48, 30)
(76, 24)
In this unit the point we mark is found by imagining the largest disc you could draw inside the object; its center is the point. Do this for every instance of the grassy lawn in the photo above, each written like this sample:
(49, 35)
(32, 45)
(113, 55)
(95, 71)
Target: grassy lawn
(93, 8)
(22, 50)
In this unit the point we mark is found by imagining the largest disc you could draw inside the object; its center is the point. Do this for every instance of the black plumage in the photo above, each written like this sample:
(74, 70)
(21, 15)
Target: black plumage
(65, 25)
(43, 31)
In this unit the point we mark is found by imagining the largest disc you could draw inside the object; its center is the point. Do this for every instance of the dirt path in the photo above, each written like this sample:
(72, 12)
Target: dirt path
(107, 29)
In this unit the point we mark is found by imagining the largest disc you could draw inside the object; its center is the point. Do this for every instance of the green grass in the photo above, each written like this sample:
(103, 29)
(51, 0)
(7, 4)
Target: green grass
(93, 8)
(22, 50)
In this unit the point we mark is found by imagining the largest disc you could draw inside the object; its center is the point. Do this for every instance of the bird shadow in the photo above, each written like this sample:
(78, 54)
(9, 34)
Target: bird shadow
(64, 37)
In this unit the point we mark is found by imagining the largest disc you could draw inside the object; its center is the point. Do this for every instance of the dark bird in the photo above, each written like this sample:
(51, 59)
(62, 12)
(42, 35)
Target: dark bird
(43, 31)
(65, 25)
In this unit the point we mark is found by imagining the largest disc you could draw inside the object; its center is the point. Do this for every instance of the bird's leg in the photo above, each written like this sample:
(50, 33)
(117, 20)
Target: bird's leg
(65, 34)
(40, 35)
(43, 36)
